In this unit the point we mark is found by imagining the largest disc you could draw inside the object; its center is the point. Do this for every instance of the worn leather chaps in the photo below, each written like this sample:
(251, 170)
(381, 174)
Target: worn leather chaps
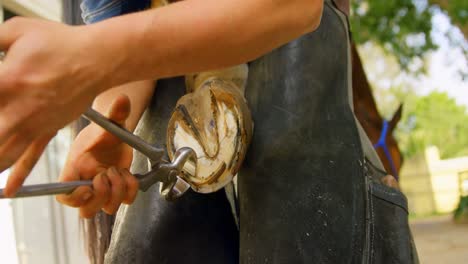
(309, 191)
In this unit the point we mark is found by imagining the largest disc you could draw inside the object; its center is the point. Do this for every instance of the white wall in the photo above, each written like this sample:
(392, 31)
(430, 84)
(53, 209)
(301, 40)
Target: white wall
(46, 231)
(50, 9)
(39, 230)
(434, 185)
(7, 234)
(445, 177)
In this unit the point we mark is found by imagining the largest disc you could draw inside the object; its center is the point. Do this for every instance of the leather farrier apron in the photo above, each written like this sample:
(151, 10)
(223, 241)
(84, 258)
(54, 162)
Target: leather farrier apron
(308, 192)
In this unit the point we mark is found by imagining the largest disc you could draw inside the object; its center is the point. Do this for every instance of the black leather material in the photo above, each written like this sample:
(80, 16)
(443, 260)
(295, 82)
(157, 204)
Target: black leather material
(302, 193)
(195, 229)
(389, 237)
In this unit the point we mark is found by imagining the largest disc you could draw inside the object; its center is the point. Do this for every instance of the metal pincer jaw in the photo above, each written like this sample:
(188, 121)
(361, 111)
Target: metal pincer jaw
(171, 175)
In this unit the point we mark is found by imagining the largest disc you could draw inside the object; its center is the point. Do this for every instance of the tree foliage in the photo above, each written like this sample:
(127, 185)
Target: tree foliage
(435, 119)
(403, 27)
(457, 10)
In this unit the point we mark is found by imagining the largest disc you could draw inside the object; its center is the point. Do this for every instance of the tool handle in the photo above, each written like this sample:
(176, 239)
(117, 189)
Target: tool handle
(152, 152)
(48, 189)
(57, 187)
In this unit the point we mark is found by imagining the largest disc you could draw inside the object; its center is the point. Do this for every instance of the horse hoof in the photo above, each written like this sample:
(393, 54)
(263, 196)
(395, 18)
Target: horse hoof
(215, 122)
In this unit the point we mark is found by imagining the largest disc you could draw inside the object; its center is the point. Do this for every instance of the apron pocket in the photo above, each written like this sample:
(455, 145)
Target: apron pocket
(390, 238)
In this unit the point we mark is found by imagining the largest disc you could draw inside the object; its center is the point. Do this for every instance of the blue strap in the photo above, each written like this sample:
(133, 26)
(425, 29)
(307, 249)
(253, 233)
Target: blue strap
(382, 143)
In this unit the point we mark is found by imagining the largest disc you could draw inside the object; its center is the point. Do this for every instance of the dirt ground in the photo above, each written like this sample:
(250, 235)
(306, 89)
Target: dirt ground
(440, 240)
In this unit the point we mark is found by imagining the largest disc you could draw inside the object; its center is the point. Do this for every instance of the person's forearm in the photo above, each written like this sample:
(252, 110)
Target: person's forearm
(197, 35)
(140, 94)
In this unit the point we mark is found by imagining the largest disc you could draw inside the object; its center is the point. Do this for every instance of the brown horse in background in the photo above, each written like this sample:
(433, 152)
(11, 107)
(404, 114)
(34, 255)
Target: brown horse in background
(366, 112)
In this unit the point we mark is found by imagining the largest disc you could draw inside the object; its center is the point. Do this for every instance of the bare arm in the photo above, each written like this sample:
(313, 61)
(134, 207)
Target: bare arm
(198, 35)
(211, 34)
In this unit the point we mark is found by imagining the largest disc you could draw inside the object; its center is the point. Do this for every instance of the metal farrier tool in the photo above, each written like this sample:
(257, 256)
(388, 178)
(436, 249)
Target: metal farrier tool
(169, 174)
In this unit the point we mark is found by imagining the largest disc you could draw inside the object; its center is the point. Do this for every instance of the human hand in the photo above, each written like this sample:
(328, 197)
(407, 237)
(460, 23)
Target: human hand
(50, 75)
(98, 155)
(390, 181)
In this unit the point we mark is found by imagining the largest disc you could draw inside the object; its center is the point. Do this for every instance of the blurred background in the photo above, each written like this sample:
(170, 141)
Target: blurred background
(414, 53)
